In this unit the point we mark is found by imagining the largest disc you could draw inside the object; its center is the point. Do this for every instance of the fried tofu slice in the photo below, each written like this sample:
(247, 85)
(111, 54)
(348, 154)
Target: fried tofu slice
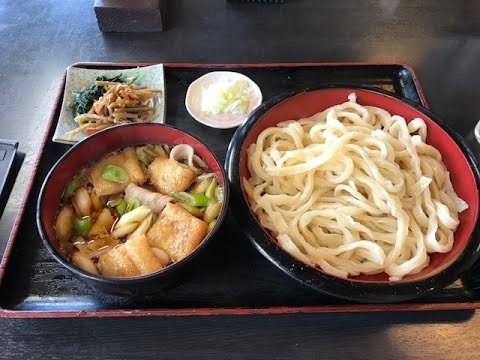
(177, 232)
(169, 176)
(135, 257)
(116, 263)
(141, 254)
(126, 159)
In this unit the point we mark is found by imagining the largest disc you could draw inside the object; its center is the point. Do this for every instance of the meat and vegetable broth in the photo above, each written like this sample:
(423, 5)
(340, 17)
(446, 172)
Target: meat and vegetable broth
(137, 210)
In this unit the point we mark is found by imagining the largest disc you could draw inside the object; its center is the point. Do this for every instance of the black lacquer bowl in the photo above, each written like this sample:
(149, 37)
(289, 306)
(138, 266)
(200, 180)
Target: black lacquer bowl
(93, 148)
(443, 268)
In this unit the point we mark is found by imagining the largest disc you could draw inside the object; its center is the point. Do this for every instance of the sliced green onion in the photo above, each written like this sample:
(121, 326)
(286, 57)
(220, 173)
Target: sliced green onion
(133, 217)
(115, 174)
(219, 194)
(226, 97)
(159, 151)
(210, 192)
(211, 224)
(70, 189)
(82, 226)
(195, 211)
(133, 204)
(113, 202)
(142, 156)
(211, 212)
(144, 160)
(201, 187)
(121, 207)
(191, 199)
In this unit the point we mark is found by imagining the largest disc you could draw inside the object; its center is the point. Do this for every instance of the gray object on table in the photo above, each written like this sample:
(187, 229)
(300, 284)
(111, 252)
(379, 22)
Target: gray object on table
(130, 15)
(8, 149)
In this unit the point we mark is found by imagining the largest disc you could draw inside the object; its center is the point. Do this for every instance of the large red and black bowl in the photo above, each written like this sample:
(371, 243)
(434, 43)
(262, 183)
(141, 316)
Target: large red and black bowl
(443, 268)
(93, 148)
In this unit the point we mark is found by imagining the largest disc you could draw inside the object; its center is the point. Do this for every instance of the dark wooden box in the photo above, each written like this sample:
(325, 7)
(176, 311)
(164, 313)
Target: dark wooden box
(130, 15)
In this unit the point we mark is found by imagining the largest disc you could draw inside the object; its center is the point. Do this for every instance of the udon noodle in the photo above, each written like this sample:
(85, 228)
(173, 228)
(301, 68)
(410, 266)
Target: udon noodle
(354, 190)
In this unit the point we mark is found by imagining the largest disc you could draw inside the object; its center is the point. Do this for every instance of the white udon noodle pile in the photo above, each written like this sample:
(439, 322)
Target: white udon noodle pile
(353, 190)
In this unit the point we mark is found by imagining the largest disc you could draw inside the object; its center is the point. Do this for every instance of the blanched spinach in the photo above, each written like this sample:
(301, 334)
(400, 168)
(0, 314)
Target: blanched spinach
(83, 100)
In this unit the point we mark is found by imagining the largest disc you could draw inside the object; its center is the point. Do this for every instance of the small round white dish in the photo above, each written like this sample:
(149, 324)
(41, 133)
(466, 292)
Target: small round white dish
(198, 89)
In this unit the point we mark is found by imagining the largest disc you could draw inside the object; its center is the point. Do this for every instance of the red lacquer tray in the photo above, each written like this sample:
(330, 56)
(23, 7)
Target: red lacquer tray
(232, 277)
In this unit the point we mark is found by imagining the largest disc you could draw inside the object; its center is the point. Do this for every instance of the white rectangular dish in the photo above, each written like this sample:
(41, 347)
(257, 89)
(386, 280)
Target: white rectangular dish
(78, 79)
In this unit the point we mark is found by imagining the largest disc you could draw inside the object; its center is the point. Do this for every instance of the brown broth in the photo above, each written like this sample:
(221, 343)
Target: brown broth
(91, 231)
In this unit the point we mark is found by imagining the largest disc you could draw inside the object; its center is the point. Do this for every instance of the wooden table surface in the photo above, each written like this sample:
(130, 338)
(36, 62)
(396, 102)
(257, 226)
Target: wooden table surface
(439, 39)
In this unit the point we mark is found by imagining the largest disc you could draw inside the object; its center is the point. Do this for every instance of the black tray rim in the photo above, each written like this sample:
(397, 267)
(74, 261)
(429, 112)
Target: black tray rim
(7, 313)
